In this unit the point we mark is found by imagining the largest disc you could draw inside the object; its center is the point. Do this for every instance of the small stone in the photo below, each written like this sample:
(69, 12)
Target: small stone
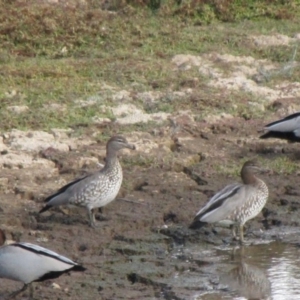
(42, 239)
(55, 286)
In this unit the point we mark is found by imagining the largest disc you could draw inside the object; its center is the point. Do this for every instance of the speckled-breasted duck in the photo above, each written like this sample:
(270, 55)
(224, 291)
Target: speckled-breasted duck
(27, 263)
(236, 203)
(97, 189)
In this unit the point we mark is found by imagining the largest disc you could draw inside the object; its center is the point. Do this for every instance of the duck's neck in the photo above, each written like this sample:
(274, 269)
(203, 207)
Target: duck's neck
(111, 159)
(248, 177)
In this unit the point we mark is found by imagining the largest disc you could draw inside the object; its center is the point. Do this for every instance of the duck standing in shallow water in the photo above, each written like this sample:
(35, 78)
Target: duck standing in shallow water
(97, 189)
(287, 128)
(236, 203)
(27, 263)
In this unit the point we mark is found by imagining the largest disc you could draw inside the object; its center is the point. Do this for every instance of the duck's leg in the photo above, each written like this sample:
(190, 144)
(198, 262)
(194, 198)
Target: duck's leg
(92, 217)
(233, 230)
(241, 234)
(16, 293)
(30, 291)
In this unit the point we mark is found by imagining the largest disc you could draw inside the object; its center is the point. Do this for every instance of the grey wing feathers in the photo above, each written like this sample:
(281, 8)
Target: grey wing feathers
(288, 124)
(66, 188)
(70, 192)
(43, 251)
(218, 198)
(297, 132)
(229, 204)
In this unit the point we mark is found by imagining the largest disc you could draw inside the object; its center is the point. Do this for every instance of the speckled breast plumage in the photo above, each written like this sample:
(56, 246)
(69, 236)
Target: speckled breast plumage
(253, 206)
(102, 189)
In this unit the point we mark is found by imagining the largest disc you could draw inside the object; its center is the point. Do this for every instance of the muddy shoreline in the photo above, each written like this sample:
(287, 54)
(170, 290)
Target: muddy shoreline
(142, 246)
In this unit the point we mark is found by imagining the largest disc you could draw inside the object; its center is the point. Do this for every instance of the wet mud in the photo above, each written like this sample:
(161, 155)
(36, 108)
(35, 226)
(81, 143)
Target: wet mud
(143, 248)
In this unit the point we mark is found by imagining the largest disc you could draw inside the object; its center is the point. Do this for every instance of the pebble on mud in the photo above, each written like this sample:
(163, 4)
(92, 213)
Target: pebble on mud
(55, 286)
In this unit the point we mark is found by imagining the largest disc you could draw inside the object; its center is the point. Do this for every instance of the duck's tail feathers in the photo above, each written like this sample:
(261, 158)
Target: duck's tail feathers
(196, 224)
(78, 268)
(280, 135)
(45, 208)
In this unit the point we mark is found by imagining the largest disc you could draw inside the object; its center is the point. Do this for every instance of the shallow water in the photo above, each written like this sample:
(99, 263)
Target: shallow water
(263, 271)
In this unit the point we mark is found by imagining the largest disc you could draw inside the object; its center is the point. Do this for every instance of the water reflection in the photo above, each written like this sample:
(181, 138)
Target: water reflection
(268, 271)
(285, 275)
(247, 280)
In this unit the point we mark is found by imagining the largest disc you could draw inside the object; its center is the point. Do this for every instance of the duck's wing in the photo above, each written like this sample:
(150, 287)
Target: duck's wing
(224, 207)
(66, 187)
(66, 193)
(218, 199)
(26, 262)
(45, 252)
(287, 124)
(213, 208)
(288, 128)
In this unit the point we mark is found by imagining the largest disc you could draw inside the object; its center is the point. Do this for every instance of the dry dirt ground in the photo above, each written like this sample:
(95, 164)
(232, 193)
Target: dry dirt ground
(129, 255)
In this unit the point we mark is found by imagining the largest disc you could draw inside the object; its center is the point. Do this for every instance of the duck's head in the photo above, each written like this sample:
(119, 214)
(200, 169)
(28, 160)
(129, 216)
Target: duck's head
(118, 142)
(249, 169)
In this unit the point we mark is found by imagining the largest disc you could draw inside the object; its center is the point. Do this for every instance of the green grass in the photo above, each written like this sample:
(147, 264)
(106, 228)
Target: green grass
(282, 165)
(52, 54)
(140, 160)
(279, 165)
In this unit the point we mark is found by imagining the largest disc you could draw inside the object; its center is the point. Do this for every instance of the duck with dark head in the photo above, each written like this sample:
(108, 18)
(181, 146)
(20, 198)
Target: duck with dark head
(237, 203)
